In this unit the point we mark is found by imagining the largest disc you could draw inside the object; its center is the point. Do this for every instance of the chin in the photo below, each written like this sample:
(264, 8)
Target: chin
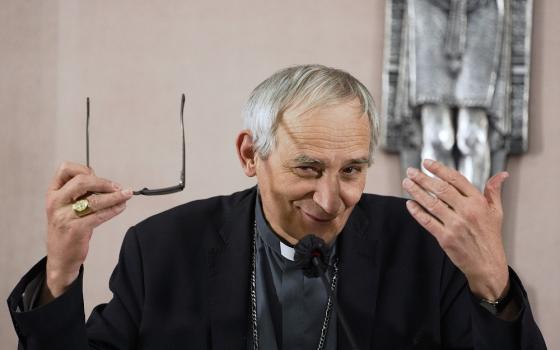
(327, 237)
(327, 234)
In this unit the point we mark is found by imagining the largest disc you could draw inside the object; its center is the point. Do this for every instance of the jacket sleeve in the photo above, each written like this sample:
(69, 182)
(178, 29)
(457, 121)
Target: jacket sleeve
(522, 333)
(61, 324)
(467, 325)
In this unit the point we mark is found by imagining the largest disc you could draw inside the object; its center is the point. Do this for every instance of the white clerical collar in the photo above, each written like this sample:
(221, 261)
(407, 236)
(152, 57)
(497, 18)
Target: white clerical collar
(287, 251)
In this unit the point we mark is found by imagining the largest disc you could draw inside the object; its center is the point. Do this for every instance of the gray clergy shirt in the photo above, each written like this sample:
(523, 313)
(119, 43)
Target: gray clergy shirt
(290, 307)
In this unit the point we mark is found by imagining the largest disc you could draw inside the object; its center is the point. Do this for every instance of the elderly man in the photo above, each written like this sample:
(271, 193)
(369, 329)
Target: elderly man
(220, 273)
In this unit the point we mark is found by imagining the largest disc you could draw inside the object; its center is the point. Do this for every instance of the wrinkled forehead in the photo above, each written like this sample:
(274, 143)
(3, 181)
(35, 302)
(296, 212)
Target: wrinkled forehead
(339, 114)
(329, 127)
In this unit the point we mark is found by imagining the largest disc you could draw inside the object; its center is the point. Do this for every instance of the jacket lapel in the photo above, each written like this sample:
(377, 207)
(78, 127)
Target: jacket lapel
(229, 261)
(359, 277)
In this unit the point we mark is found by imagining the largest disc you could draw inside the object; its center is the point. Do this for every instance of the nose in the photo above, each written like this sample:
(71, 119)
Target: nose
(327, 194)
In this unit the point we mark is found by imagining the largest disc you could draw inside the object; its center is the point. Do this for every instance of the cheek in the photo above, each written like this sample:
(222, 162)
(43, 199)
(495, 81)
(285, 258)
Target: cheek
(291, 196)
(283, 190)
(351, 193)
(286, 185)
(270, 178)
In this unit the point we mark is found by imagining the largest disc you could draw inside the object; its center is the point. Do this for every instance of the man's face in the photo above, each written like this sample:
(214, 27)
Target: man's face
(316, 174)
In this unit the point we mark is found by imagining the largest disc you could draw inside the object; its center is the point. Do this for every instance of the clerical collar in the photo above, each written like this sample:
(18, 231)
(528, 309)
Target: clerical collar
(271, 238)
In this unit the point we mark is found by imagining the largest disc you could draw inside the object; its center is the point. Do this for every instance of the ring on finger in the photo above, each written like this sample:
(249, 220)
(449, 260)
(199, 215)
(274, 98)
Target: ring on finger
(81, 207)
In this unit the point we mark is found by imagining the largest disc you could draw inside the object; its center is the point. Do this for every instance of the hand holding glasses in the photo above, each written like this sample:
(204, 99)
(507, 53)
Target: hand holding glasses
(93, 200)
(147, 191)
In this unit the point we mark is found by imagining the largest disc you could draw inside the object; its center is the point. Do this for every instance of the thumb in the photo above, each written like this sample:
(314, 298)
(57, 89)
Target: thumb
(493, 189)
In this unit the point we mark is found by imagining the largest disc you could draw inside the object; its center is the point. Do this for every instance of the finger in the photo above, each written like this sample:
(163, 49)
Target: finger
(65, 172)
(430, 203)
(426, 220)
(438, 187)
(493, 189)
(81, 184)
(452, 176)
(99, 217)
(99, 202)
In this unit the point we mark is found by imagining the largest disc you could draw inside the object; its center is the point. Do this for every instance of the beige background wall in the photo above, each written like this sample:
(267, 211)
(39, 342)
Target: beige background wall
(134, 58)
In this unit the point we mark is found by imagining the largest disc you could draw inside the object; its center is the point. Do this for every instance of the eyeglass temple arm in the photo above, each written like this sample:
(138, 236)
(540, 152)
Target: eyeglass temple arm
(87, 132)
(172, 189)
(182, 181)
(166, 190)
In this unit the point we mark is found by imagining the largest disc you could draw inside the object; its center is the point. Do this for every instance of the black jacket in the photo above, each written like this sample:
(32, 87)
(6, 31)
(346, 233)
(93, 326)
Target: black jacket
(182, 282)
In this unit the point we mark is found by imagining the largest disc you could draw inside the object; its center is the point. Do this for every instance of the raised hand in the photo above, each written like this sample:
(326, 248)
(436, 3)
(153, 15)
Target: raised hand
(68, 234)
(466, 223)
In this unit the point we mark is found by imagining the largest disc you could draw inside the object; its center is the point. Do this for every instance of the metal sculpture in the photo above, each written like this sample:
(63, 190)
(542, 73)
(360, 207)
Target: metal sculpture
(456, 82)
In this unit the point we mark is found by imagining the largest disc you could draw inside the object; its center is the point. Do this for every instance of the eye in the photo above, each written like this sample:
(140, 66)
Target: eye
(307, 171)
(351, 170)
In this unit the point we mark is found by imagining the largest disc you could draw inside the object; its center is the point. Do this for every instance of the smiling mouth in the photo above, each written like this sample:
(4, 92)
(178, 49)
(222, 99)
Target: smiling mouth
(314, 218)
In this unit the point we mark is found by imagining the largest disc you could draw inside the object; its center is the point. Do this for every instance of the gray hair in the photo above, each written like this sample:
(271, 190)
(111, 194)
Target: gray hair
(309, 86)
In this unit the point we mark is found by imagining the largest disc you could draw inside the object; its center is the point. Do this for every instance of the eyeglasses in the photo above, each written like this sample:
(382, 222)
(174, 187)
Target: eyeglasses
(146, 191)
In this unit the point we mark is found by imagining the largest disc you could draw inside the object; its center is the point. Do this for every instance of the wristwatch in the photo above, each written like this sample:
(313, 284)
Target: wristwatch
(498, 305)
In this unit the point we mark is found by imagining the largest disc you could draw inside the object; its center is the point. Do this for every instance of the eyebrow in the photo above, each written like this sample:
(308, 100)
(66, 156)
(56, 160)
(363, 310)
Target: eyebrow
(359, 161)
(305, 159)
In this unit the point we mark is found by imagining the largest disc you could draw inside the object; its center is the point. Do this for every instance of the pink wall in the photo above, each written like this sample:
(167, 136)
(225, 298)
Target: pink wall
(134, 58)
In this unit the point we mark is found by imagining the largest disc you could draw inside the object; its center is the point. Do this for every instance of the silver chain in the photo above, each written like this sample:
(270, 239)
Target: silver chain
(254, 328)
(254, 290)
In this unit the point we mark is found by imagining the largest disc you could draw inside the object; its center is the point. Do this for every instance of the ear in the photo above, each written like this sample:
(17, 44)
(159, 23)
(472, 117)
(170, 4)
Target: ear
(246, 153)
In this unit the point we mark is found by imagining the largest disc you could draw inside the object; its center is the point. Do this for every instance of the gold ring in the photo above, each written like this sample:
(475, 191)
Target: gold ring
(81, 207)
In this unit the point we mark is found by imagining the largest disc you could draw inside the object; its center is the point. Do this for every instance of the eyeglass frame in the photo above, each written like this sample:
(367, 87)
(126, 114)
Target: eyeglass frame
(146, 191)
